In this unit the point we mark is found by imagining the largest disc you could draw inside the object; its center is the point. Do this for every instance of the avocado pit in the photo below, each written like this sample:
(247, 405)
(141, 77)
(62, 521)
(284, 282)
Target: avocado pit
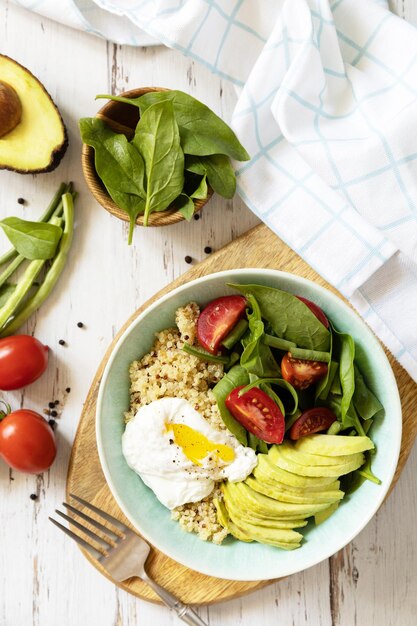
(10, 109)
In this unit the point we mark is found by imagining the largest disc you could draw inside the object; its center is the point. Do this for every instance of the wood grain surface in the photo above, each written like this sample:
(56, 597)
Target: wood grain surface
(44, 579)
(260, 248)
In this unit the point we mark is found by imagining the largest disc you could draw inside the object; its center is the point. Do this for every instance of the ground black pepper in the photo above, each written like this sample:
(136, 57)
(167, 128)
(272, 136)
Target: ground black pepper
(188, 259)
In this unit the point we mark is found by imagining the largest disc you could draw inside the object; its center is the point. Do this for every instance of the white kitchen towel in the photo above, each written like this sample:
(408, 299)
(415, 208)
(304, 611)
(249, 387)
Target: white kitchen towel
(328, 111)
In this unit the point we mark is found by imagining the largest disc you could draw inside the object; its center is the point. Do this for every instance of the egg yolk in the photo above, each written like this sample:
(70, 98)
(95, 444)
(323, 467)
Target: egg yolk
(196, 446)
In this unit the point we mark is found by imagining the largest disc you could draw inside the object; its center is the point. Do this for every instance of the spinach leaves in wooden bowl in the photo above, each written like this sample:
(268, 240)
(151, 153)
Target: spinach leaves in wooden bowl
(154, 156)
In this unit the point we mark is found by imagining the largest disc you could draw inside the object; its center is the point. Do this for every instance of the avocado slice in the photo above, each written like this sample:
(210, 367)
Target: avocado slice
(306, 458)
(268, 471)
(292, 479)
(261, 520)
(259, 503)
(269, 489)
(225, 521)
(321, 516)
(33, 137)
(333, 445)
(288, 464)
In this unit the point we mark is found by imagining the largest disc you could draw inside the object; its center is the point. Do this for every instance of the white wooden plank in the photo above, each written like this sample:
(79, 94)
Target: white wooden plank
(44, 579)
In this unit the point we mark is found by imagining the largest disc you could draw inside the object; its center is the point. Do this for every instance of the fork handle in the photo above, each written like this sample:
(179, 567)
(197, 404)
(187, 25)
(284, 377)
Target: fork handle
(184, 612)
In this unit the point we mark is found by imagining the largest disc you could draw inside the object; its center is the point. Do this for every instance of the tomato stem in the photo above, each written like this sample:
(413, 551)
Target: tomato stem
(8, 409)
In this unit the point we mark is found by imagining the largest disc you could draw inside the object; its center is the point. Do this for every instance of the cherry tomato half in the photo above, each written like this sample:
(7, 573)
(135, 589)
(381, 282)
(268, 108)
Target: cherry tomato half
(27, 442)
(258, 413)
(22, 360)
(217, 320)
(312, 421)
(316, 310)
(301, 373)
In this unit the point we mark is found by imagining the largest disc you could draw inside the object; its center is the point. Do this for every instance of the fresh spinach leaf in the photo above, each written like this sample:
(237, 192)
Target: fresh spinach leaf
(235, 377)
(119, 165)
(289, 317)
(158, 141)
(33, 240)
(257, 357)
(202, 131)
(365, 402)
(219, 171)
(257, 444)
(325, 385)
(201, 192)
(344, 351)
(184, 205)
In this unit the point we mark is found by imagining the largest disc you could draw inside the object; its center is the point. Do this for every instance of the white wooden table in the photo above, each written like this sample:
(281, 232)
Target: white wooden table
(44, 579)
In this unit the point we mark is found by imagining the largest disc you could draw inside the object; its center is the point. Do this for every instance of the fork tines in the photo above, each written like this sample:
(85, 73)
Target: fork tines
(106, 542)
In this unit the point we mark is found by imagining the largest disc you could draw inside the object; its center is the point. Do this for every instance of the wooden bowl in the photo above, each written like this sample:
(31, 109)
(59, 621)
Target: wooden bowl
(123, 118)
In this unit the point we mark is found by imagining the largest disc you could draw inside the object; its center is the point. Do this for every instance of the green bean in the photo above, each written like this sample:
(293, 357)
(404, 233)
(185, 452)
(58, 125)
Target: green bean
(279, 343)
(51, 277)
(205, 356)
(12, 267)
(236, 333)
(310, 355)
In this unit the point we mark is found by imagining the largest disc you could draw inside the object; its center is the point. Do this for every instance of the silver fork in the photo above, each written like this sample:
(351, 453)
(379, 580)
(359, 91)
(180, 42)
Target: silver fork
(123, 554)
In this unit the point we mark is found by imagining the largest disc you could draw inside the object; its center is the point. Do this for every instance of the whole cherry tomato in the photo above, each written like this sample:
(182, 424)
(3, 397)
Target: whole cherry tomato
(22, 360)
(217, 320)
(301, 373)
(258, 413)
(27, 442)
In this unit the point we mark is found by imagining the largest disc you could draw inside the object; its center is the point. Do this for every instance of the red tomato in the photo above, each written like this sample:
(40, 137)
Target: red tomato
(301, 373)
(27, 442)
(258, 413)
(217, 320)
(316, 310)
(312, 421)
(22, 360)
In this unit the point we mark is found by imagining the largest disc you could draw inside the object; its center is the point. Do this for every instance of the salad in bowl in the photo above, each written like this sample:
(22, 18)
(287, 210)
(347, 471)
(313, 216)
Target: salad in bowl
(254, 418)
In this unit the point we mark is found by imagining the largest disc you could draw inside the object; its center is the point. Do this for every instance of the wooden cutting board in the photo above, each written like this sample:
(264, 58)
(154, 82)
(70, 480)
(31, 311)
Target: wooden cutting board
(257, 248)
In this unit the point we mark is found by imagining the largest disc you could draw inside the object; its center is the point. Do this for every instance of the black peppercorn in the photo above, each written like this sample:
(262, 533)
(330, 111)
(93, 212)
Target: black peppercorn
(52, 423)
(33, 496)
(80, 325)
(61, 342)
(54, 414)
(188, 259)
(21, 201)
(208, 250)
(68, 389)
(51, 405)
(196, 216)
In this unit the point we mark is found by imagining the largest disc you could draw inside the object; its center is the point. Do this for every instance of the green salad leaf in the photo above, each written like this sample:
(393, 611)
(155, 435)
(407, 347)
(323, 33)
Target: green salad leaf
(365, 402)
(119, 165)
(33, 240)
(218, 169)
(257, 357)
(289, 318)
(157, 139)
(202, 131)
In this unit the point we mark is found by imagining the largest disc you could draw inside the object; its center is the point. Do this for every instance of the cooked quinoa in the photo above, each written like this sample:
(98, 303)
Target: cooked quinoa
(167, 371)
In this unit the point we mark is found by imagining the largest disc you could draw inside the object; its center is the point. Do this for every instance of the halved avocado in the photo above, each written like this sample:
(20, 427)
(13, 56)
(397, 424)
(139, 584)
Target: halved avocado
(33, 137)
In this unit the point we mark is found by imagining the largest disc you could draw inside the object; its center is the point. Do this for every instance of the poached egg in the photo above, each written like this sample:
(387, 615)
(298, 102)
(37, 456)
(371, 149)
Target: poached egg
(179, 455)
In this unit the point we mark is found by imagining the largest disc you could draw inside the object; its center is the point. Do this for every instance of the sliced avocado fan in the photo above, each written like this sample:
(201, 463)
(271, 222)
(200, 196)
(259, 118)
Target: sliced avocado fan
(33, 137)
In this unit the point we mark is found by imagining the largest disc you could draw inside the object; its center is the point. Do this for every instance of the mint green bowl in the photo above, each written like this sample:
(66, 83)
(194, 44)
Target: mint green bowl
(233, 559)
